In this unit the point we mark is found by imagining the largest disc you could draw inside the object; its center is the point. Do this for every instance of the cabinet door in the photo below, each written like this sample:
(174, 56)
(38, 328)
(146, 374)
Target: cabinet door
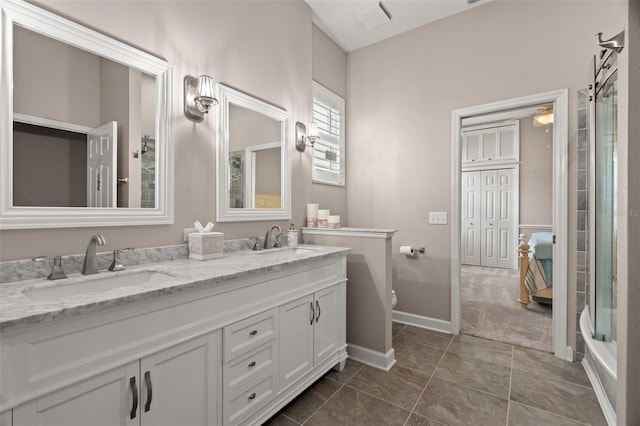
(471, 146)
(296, 339)
(508, 141)
(327, 318)
(180, 385)
(107, 399)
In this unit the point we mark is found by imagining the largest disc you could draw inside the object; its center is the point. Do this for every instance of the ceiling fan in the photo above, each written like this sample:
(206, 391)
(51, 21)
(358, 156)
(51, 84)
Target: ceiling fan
(542, 115)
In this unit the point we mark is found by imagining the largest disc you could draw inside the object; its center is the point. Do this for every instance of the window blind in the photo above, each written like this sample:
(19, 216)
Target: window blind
(328, 151)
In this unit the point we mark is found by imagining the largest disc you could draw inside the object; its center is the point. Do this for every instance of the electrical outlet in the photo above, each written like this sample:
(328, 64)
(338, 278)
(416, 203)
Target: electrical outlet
(438, 218)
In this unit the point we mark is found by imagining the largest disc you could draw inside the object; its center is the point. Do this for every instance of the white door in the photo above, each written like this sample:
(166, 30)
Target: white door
(488, 223)
(327, 318)
(108, 399)
(180, 385)
(296, 339)
(505, 219)
(102, 151)
(471, 218)
(498, 194)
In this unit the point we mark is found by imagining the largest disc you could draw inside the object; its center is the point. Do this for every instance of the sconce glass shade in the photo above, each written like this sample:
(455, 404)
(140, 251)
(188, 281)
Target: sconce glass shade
(199, 97)
(205, 94)
(302, 137)
(313, 133)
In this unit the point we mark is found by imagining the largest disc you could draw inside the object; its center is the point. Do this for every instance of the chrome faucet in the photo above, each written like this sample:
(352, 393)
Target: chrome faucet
(90, 266)
(267, 238)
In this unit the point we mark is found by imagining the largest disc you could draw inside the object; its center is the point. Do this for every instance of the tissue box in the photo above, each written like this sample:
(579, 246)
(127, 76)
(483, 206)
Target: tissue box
(205, 245)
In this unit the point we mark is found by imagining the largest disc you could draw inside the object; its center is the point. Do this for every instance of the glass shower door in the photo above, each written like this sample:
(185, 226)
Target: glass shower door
(604, 246)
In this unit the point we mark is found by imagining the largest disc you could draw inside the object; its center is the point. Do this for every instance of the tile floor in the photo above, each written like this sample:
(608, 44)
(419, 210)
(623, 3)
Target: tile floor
(440, 379)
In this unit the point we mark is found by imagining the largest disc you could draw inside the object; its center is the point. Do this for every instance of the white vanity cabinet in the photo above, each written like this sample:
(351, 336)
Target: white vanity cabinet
(308, 333)
(497, 144)
(221, 352)
(177, 386)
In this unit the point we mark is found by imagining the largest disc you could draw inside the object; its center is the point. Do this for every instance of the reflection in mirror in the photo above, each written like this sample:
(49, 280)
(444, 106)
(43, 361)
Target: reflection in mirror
(90, 113)
(254, 159)
(253, 168)
(85, 126)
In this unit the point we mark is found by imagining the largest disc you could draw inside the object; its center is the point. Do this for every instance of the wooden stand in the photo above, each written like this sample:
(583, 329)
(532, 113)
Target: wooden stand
(523, 250)
(524, 299)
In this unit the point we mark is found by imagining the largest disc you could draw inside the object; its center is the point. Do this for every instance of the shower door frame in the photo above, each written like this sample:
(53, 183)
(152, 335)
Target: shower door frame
(560, 100)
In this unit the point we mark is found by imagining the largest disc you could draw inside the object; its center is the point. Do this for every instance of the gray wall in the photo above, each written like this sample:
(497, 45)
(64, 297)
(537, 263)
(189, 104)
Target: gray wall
(262, 48)
(536, 173)
(330, 70)
(400, 96)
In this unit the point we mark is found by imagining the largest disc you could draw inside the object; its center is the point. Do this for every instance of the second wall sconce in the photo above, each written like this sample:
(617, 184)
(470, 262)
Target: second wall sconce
(302, 137)
(199, 97)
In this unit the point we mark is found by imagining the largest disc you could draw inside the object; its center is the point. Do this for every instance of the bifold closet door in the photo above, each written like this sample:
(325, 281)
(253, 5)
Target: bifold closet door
(471, 218)
(498, 204)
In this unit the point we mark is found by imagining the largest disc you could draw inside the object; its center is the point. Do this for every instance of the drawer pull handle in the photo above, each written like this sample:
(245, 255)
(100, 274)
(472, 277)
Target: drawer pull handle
(253, 332)
(134, 393)
(147, 381)
(312, 313)
(252, 364)
(252, 396)
(318, 312)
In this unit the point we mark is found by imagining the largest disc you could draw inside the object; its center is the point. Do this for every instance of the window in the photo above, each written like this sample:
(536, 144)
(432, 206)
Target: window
(328, 152)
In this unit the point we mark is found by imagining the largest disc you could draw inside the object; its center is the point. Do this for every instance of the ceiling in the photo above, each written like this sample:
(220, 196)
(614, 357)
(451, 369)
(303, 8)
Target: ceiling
(353, 24)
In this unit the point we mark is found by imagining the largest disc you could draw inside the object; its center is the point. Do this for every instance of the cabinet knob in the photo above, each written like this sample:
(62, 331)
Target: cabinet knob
(252, 396)
(252, 364)
(253, 332)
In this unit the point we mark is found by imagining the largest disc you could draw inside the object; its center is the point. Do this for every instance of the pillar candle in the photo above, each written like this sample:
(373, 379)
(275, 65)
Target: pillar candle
(312, 215)
(323, 216)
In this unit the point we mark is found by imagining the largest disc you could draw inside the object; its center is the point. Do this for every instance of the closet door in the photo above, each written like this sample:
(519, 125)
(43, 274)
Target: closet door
(471, 218)
(488, 218)
(498, 194)
(505, 218)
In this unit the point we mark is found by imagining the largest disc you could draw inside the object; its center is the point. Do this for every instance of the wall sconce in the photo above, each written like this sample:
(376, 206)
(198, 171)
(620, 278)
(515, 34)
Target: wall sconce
(199, 97)
(302, 137)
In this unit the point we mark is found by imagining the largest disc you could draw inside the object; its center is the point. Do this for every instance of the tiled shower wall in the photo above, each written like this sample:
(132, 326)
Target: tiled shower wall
(582, 247)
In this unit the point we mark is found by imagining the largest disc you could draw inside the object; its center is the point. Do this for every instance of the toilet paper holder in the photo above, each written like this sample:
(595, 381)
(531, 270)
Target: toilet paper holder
(411, 250)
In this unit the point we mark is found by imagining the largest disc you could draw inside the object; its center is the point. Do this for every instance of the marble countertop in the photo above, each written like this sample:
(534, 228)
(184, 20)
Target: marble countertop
(17, 308)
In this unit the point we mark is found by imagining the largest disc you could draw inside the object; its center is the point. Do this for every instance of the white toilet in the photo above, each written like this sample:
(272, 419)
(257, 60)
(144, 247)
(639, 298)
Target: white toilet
(394, 299)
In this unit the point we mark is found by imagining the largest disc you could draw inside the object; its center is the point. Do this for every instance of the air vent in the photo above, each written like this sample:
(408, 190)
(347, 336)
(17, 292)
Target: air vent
(374, 16)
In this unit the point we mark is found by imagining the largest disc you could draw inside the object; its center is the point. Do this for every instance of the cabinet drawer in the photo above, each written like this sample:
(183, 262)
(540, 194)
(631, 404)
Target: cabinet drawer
(239, 407)
(248, 334)
(241, 371)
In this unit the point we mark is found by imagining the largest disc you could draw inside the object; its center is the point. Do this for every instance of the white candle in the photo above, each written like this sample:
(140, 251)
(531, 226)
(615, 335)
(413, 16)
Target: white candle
(312, 215)
(333, 221)
(323, 215)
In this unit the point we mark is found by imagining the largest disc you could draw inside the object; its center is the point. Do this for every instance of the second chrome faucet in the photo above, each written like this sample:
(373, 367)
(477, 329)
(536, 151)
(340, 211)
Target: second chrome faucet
(90, 265)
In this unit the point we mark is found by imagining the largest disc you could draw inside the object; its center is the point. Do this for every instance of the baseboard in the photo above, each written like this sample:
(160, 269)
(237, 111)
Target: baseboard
(423, 322)
(568, 354)
(372, 358)
(601, 395)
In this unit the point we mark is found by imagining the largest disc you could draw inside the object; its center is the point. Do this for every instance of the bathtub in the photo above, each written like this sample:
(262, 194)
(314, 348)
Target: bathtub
(600, 364)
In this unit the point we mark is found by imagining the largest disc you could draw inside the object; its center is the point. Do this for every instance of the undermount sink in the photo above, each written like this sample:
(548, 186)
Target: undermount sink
(93, 284)
(294, 251)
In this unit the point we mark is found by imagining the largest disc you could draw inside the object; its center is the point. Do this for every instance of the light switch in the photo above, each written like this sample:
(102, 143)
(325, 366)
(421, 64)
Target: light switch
(438, 218)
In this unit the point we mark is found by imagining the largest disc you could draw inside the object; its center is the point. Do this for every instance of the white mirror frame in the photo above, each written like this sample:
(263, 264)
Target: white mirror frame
(224, 213)
(14, 12)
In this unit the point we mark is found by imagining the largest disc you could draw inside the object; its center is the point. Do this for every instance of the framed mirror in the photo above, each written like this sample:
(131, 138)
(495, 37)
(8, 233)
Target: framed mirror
(253, 168)
(85, 125)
